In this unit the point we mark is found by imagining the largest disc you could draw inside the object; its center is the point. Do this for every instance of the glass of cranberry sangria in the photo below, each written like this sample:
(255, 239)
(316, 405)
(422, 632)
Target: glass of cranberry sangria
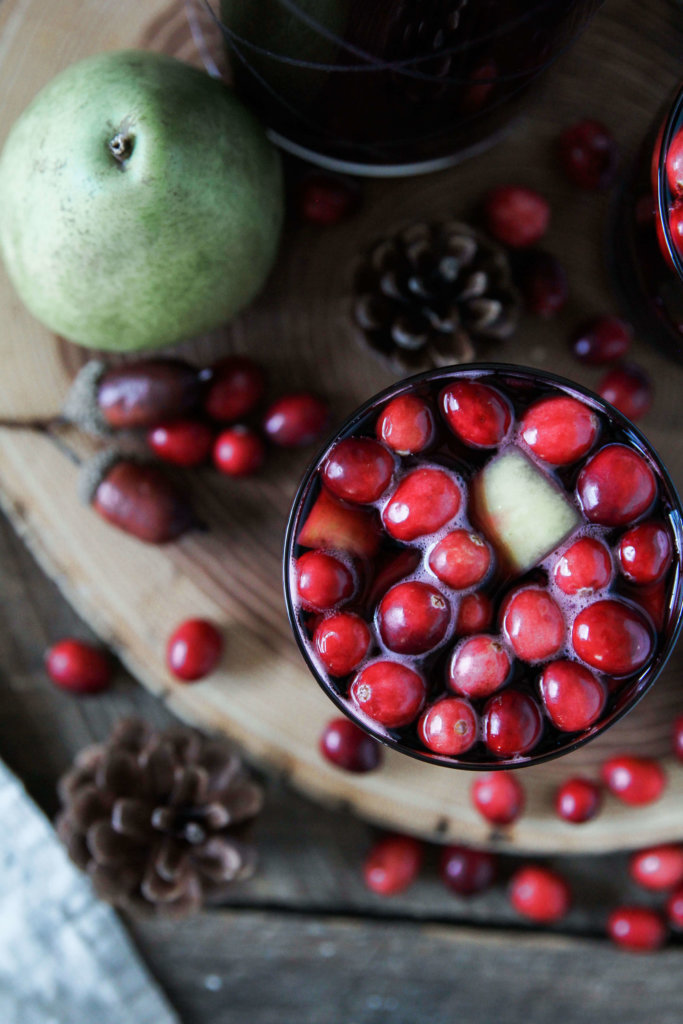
(483, 567)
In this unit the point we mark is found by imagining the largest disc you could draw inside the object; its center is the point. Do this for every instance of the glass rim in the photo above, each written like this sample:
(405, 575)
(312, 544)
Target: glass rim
(668, 133)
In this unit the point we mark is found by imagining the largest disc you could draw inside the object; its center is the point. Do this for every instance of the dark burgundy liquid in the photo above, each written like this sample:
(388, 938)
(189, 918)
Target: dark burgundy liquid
(394, 82)
(522, 390)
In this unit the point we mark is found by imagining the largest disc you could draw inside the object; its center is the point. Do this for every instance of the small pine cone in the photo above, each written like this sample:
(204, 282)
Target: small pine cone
(425, 295)
(158, 820)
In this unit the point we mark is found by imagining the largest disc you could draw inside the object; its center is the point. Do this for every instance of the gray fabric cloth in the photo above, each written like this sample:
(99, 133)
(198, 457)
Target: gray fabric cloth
(64, 956)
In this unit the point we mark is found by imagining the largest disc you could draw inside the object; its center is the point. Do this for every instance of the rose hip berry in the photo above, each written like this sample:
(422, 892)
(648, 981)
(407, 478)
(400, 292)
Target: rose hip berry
(635, 780)
(578, 800)
(678, 738)
(478, 414)
(534, 625)
(413, 617)
(475, 614)
(406, 425)
(516, 216)
(358, 470)
(584, 567)
(78, 667)
(539, 894)
(574, 699)
(560, 430)
(674, 909)
(479, 667)
(466, 871)
(323, 581)
(193, 650)
(184, 443)
(603, 340)
(342, 641)
(393, 864)
(612, 637)
(645, 553)
(628, 389)
(346, 746)
(296, 420)
(589, 155)
(543, 283)
(327, 199)
(616, 486)
(424, 501)
(389, 693)
(239, 451)
(657, 868)
(448, 727)
(637, 929)
(236, 387)
(512, 723)
(498, 797)
(461, 559)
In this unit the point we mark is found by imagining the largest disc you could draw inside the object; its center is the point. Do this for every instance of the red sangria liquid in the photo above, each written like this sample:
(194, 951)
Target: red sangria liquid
(482, 569)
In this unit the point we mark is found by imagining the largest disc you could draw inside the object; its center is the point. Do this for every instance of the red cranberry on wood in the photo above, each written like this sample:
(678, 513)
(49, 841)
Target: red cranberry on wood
(560, 430)
(236, 387)
(78, 667)
(461, 559)
(584, 567)
(602, 341)
(534, 624)
(358, 470)
(612, 637)
(659, 867)
(578, 800)
(341, 642)
(448, 727)
(296, 420)
(645, 553)
(674, 909)
(327, 199)
(635, 780)
(589, 155)
(478, 667)
(406, 425)
(512, 723)
(616, 486)
(475, 614)
(389, 693)
(184, 443)
(393, 864)
(638, 929)
(466, 871)
(516, 216)
(498, 797)
(478, 414)
(424, 501)
(194, 649)
(543, 283)
(539, 894)
(239, 451)
(413, 617)
(323, 581)
(346, 746)
(628, 389)
(574, 699)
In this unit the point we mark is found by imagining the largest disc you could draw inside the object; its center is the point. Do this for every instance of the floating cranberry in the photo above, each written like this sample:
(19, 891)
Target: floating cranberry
(534, 625)
(539, 894)
(461, 559)
(424, 501)
(296, 420)
(678, 738)
(478, 667)
(475, 614)
(674, 164)
(406, 425)
(392, 569)
(602, 341)
(616, 486)
(323, 581)
(578, 800)
(239, 451)
(589, 155)
(358, 470)
(628, 389)
(516, 216)
(498, 797)
(193, 650)
(512, 724)
(574, 699)
(78, 667)
(543, 283)
(466, 871)
(236, 387)
(637, 929)
(346, 746)
(560, 430)
(659, 867)
(413, 617)
(478, 414)
(584, 567)
(654, 599)
(342, 641)
(645, 553)
(389, 693)
(393, 864)
(327, 199)
(635, 780)
(674, 909)
(448, 727)
(184, 443)
(612, 637)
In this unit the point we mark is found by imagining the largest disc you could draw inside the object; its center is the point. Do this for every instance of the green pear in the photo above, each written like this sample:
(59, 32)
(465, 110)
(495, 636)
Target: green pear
(140, 203)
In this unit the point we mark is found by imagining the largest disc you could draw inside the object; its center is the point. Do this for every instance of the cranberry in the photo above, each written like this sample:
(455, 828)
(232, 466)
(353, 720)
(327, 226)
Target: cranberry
(331, 524)
(612, 637)
(676, 232)
(345, 745)
(406, 425)
(628, 389)
(678, 738)
(184, 443)
(194, 649)
(466, 871)
(448, 727)
(296, 420)
(539, 894)
(341, 642)
(616, 486)
(478, 667)
(327, 199)
(358, 470)
(659, 867)
(389, 693)
(543, 283)
(393, 864)
(635, 780)
(392, 569)
(589, 155)
(584, 567)
(578, 800)
(674, 909)
(602, 341)
(516, 216)
(512, 723)
(478, 414)
(645, 553)
(654, 599)
(574, 699)
(498, 797)
(637, 929)
(475, 614)
(413, 617)
(424, 501)
(235, 389)
(560, 430)
(533, 624)
(674, 163)
(78, 667)
(461, 559)
(239, 451)
(322, 581)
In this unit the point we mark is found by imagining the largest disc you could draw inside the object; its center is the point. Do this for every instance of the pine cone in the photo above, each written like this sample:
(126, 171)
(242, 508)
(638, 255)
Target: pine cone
(422, 34)
(424, 295)
(157, 820)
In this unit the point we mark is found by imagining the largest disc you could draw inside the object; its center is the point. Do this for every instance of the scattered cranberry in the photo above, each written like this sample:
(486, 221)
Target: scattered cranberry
(184, 443)
(674, 164)
(296, 420)
(574, 699)
(423, 502)
(602, 341)
(659, 867)
(358, 470)
(589, 155)
(193, 650)
(389, 693)
(628, 389)
(645, 553)
(479, 667)
(516, 216)
(323, 581)
(560, 430)
(616, 486)
(342, 641)
(543, 283)
(674, 909)
(678, 738)
(612, 637)
(78, 667)
(327, 199)
(534, 625)
(539, 894)
(461, 559)
(236, 387)
(466, 871)
(348, 747)
(393, 864)
(448, 727)
(512, 723)
(406, 425)
(584, 567)
(498, 797)
(635, 780)
(578, 800)
(478, 414)
(239, 451)
(637, 929)
(475, 614)
(413, 617)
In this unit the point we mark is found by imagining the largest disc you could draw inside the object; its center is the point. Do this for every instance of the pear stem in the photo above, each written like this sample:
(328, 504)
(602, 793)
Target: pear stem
(121, 146)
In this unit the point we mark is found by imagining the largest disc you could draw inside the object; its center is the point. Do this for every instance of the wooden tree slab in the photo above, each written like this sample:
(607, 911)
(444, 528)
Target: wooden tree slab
(133, 595)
